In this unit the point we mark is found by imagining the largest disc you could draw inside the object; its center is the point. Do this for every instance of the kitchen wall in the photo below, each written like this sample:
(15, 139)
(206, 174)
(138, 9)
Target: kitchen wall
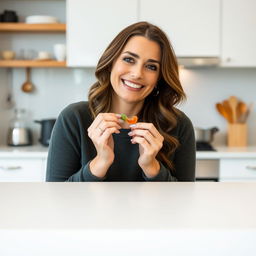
(205, 87)
(56, 88)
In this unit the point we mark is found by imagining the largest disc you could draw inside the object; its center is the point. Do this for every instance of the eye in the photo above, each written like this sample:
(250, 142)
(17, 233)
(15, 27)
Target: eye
(128, 59)
(152, 67)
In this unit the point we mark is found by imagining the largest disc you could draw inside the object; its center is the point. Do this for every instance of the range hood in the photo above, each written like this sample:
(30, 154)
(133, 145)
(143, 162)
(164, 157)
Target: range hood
(198, 61)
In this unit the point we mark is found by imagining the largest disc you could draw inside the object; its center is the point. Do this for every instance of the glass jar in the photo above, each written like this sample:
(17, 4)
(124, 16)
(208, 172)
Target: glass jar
(19, 133)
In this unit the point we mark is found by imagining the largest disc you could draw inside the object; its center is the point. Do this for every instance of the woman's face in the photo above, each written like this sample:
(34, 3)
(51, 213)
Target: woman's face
(135, 72)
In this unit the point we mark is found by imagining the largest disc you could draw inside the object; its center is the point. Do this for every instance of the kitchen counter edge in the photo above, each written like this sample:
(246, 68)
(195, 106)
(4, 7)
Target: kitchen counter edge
(38, 151)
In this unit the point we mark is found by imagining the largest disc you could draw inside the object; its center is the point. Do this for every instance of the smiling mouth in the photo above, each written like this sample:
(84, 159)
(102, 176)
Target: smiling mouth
(131, 84)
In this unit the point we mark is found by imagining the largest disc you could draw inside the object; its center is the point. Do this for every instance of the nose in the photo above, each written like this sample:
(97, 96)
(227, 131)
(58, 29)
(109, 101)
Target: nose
(136, 72)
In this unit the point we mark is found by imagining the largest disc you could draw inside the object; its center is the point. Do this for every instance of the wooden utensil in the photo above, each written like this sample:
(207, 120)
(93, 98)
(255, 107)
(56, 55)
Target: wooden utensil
(223, 112)
(27, 86)
(241, 110)
(245, 116)
(228, 110)
(233, 104)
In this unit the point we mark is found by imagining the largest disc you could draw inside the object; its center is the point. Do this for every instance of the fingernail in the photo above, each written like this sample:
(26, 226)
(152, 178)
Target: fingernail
(120, 120)
(118, 115)
(130, 133)
(133, 125)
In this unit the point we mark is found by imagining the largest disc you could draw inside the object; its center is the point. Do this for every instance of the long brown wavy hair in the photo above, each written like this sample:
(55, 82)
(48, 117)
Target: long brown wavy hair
(157, 109)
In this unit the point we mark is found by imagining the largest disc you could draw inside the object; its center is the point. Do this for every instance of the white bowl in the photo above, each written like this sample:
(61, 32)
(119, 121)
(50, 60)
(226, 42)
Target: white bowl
(35, 19)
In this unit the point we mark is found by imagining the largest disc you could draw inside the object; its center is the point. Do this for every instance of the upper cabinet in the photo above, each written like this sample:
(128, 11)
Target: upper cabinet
(196, 28)
(92, 25)
(238, 33)
(192, 26)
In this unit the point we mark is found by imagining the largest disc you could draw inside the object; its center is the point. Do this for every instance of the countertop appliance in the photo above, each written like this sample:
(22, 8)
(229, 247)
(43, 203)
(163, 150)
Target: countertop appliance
(204, 146)
(204, 137)
(46, 130)
(18, 132)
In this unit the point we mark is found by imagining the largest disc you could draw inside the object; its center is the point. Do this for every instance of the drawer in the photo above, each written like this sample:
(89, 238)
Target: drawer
(237, 169)
(21, 170)
(207, 169)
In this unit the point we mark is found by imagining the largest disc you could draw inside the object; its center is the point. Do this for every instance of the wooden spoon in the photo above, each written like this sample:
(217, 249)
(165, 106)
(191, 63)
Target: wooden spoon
(27, 86)
(233, 104)
(222, 111)
(245, 116)
(228, 110)
(241, 111)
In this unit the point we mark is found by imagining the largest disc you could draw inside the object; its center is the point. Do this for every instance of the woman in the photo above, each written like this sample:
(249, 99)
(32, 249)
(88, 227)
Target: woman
(137, 76)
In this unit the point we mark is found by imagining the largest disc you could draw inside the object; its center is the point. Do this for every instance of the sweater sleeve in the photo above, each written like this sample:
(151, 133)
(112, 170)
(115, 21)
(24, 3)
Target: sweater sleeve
(184, 156)
(64, 157)
(163, 175)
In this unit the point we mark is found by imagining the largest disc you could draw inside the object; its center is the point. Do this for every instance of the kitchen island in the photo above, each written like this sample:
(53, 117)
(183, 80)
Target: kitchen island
(226, 164)
(122, 218)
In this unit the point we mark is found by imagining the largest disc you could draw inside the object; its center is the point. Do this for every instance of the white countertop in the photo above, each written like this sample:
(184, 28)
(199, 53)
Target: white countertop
(115, 205)
(124, 218)
(35, 151)
(228, 152)
(38, 151)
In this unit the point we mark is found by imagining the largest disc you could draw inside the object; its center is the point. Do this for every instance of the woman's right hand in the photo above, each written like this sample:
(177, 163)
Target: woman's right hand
(100, 132)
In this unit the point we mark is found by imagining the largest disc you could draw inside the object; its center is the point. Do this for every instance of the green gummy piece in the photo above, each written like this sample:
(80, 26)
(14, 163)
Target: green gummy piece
(123, 117)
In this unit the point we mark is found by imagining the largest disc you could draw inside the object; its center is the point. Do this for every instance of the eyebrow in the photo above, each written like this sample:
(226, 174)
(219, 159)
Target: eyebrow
(137, 57)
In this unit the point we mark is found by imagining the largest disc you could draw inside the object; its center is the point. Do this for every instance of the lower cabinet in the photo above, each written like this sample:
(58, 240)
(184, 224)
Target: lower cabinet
(22, 169)
(237, 170)
(14, 169)
(207, 169)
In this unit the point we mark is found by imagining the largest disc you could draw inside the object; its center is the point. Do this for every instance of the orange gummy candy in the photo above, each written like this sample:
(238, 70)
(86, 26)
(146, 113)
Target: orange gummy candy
(132, 120)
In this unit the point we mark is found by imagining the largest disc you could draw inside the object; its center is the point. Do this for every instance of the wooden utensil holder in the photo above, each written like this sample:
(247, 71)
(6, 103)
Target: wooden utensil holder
(237, 135)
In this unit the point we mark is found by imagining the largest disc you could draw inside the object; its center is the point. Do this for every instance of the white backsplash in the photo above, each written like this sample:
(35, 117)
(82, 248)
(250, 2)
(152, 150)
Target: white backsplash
(56, 88)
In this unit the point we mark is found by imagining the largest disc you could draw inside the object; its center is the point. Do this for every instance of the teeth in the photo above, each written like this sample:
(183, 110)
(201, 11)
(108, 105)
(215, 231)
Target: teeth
(130, 84)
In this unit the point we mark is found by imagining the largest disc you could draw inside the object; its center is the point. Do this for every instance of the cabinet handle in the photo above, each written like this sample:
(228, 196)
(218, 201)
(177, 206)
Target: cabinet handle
(251, 167)
(10, 168)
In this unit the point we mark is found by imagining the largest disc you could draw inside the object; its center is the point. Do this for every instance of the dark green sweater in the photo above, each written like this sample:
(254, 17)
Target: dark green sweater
(71, 151)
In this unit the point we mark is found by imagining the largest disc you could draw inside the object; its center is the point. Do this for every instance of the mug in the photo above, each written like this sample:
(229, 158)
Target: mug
(42, 55)
(9, 16)
(60, 52)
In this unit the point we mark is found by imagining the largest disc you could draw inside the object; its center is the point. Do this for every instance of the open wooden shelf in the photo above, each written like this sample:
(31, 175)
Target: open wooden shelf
(32, 64)
(24, 27)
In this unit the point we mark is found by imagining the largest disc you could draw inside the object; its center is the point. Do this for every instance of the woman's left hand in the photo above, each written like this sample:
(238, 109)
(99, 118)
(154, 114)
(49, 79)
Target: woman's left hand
(150, 142)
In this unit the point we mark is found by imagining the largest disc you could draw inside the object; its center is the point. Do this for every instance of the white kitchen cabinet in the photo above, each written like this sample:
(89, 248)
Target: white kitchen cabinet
(238, 33)
(207, 169)
(193, 26)
(22, 170)
(91, 26)
(237, 170)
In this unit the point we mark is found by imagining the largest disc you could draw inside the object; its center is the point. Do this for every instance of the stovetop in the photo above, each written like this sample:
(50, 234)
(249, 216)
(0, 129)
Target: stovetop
(204, 146)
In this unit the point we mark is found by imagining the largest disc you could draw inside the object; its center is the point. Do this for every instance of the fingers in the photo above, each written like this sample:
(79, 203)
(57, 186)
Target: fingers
(148, 131)
(147, 126)
(145, 144)
(106, 134)
(102, 122)
(146, 135)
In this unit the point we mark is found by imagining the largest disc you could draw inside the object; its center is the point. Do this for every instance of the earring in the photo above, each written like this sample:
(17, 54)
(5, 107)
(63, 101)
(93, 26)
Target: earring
(155, 92)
